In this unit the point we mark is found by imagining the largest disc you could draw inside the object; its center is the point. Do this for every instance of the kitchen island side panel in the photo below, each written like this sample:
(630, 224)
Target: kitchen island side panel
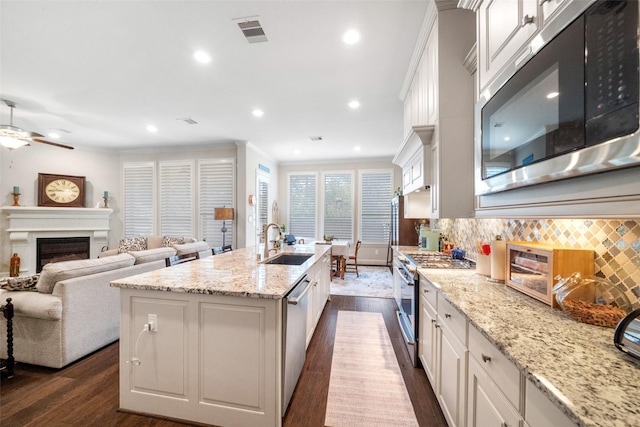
(214, 359)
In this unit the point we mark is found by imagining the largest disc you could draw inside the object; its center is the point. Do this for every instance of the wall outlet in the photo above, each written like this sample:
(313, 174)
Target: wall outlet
(153, 322)
(377, 251)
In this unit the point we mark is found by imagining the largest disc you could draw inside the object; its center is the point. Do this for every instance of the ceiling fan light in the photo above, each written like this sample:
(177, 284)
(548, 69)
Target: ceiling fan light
(12, 143)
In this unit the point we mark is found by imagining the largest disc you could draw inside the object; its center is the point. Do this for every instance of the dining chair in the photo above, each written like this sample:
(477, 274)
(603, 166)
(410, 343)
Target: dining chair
(352, 261)
(179, 259)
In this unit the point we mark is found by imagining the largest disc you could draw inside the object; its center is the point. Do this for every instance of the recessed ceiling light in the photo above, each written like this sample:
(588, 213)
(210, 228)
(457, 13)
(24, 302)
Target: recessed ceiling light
(356, 148)
(351, 37)
(552, 95)
(152, 129)
(54, 135)
(257, 112)
(296, 151)
(354, 104)
(202, 57)
(507, 138)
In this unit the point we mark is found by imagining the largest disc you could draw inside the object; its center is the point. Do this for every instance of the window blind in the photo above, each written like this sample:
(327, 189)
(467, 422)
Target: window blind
(338, 205)
(302, 205)
(138, 198)
(376, 191)
(216, 189)
(176, 198)
(263, 207)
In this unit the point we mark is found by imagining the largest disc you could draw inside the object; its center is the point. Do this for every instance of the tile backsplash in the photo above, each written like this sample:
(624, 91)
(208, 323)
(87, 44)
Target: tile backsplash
(616, 242)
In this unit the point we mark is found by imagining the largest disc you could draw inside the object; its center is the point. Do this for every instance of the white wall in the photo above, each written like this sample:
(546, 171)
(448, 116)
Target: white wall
(249, 159)
(367, 254)
(21, 167)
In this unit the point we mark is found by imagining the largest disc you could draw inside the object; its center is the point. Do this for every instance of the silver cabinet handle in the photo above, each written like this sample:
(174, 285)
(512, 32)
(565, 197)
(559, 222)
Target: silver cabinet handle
(447, 316)
(528, 19)
(433, 320)
(486, 358)
(425, 290)
(436, 325)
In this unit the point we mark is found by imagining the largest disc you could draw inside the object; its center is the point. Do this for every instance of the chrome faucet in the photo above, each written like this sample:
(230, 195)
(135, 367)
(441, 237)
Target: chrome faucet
(266, 237)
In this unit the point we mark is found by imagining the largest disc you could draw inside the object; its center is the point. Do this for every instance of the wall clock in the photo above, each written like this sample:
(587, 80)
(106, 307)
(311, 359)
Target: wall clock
(61, 190)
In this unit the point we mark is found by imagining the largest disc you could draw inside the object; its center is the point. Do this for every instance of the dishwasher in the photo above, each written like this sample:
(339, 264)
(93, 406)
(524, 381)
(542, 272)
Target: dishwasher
(295, 336)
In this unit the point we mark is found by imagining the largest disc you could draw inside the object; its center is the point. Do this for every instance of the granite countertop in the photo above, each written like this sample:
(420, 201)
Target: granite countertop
(574, 364)
(235, 273)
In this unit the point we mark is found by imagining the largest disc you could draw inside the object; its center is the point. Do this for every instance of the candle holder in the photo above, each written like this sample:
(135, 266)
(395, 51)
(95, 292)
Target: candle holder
(106, 201)
(16, 197)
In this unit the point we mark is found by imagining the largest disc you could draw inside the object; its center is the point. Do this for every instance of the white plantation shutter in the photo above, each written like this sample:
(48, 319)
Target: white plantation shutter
(376, 191)
(338, 205)
(138, 198)
(176, 198)
(216, 190)
(263, 207)
(302, 205)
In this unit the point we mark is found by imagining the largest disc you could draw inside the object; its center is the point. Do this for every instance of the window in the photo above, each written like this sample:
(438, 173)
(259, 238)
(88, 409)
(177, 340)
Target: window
(215, 190)
(338, 205)
(138, 198)
(176, 198)
(302, 205)
(376, 190)
(263, 204)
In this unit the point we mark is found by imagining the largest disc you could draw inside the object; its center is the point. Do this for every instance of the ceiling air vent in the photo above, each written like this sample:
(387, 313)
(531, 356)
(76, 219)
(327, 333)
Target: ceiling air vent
(252, 29)
(315, 138)
(189, 121)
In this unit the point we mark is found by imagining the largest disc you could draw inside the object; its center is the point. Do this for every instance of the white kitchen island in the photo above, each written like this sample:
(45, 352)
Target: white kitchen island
(217, 354)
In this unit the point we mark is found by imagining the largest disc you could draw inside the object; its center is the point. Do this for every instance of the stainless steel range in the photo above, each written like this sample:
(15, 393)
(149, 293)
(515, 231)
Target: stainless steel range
(406, 287)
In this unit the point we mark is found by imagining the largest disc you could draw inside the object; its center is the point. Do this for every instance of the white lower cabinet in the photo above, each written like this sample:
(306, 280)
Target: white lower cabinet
(540, 412)
(427, 337)
(452, 376)
(320, 275)
(442, 350)
(487, 406)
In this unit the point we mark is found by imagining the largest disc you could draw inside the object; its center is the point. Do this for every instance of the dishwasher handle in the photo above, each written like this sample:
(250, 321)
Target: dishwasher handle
(299, 291)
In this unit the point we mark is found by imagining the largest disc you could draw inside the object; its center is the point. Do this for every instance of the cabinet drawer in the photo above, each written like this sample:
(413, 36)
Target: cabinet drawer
(500, 369)
(450, 316)
(429, 292)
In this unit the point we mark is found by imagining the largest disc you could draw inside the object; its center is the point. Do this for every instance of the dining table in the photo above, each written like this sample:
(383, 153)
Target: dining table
(340, 250)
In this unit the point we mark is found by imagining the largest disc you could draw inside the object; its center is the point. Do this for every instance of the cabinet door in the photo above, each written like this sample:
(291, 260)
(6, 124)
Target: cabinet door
(452, 376)
(504, 28)
(550, 8)
(430, 77)
(428, 338)
(486, 406)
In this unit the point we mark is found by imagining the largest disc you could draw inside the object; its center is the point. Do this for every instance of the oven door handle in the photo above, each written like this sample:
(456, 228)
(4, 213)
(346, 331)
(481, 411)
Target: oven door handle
(404, 279)
(404, 334)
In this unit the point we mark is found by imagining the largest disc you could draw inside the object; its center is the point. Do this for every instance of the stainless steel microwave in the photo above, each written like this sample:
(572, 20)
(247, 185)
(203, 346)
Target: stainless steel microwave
(571, 110)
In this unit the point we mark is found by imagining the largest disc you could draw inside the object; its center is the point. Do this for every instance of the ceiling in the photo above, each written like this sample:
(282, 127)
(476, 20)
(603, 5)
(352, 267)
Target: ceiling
(104, 70)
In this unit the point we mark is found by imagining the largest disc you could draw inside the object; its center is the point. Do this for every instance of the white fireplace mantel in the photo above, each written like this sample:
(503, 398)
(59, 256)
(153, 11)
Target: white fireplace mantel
(28, 223)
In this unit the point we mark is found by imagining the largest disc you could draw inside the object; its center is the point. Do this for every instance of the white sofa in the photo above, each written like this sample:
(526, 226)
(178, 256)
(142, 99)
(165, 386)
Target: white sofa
(152, 248)
(73, 311)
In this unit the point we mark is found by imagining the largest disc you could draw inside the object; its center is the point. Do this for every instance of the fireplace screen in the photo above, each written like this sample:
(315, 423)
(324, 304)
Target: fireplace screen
(61, 249)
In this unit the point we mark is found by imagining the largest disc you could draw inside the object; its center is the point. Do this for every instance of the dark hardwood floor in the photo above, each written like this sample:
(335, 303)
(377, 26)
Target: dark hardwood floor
(86, 392)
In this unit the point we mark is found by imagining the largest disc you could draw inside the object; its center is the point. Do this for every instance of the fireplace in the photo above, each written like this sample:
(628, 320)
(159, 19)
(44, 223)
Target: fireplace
(61, 249)
(28, 224)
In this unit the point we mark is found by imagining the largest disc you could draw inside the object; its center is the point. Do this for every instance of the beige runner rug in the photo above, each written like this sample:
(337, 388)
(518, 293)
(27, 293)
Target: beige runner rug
(366, 386)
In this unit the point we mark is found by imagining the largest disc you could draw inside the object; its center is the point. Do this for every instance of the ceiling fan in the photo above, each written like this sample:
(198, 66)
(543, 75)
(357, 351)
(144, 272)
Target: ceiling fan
(13, 137)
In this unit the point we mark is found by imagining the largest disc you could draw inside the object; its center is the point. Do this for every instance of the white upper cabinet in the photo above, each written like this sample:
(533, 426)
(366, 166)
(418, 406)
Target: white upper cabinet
(437, 152)
(504, 28)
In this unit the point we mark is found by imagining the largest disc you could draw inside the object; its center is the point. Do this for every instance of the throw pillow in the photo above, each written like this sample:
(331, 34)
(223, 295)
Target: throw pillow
(132, 244)
(170, 241)
(20, 283)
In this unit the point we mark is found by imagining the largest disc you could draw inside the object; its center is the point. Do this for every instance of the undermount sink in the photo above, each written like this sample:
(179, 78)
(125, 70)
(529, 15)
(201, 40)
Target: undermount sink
(288, 259)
